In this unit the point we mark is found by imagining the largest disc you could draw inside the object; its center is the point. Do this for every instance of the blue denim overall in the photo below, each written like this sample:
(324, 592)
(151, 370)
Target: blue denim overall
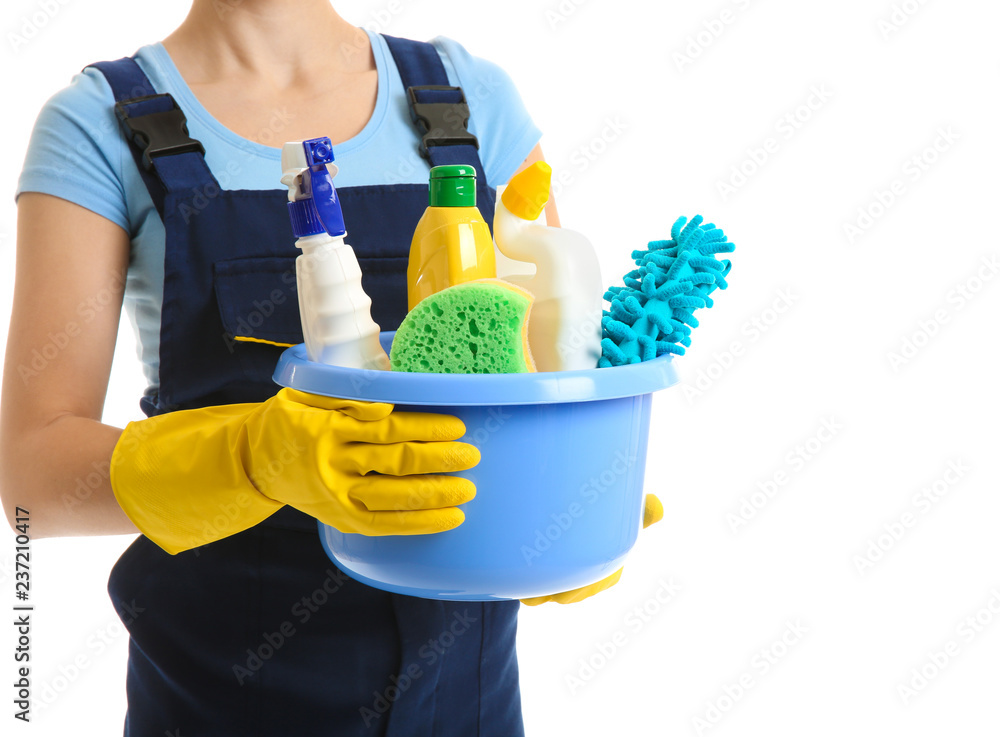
(259, 633)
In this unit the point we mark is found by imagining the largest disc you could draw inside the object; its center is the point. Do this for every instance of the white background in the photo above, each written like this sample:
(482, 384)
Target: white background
(889, 88)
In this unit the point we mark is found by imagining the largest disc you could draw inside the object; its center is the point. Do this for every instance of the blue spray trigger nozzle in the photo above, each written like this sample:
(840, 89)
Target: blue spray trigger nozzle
(319, 153)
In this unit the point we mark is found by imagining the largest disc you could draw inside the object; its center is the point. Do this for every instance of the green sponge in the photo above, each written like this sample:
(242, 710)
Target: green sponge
(476, 327)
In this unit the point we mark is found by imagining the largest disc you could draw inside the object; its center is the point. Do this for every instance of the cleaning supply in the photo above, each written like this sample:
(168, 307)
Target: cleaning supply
(336, 313)
(653, 313)
(190, 477)
(565, 332)
(452, 243)
(544, 437)
(479, 327)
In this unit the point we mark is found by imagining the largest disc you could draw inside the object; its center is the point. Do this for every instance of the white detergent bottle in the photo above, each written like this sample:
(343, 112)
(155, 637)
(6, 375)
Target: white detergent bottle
(564, 327)
(336, 313)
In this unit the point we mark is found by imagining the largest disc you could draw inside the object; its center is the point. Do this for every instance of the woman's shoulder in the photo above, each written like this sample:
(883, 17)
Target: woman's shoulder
(75, 150)
(88, 98)
(472, 70)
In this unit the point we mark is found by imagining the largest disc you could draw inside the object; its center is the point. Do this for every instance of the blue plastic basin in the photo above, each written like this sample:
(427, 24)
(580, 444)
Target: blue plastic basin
(559, 489)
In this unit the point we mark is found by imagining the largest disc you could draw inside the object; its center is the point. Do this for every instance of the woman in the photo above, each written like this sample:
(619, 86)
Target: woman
(239, 623)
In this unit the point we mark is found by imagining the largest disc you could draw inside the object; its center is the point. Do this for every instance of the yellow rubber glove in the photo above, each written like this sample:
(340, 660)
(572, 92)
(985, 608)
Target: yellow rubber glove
(652, 513)
(189, 477)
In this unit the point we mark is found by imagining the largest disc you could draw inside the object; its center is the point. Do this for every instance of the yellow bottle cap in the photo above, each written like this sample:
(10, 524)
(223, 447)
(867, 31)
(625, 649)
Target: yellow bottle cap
(527, 192)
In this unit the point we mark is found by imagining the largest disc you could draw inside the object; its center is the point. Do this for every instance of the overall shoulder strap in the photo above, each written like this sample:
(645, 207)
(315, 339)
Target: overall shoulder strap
(169, 160)
(439, 109)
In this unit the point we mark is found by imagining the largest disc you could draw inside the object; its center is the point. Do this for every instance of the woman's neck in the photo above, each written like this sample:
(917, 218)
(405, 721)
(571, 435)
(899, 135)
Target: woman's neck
(273, 40)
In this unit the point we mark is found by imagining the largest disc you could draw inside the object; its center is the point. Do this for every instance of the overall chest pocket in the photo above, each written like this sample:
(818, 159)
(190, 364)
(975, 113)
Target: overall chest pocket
(259, 305)
(259, 308)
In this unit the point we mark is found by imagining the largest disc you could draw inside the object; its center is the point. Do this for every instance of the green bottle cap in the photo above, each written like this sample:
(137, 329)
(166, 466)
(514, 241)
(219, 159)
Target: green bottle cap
(453, 185)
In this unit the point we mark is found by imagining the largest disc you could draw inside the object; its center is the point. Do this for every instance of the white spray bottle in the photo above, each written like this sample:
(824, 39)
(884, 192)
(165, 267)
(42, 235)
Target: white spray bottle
(564, 329)
(336, 313)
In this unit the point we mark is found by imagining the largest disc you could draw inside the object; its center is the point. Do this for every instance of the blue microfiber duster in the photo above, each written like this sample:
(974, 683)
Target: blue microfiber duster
(653, 313)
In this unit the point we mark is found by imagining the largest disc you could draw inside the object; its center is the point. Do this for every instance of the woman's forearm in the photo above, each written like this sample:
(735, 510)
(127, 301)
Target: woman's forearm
(61, 474)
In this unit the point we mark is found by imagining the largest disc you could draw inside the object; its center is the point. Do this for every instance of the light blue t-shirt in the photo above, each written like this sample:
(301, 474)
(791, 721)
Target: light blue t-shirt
(77, 152)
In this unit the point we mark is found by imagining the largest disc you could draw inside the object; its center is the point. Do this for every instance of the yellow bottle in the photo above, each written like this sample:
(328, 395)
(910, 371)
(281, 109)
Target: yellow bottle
(452, 243)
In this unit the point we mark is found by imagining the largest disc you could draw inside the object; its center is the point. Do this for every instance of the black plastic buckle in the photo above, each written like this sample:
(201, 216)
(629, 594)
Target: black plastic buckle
(443, 123)
(162, 133)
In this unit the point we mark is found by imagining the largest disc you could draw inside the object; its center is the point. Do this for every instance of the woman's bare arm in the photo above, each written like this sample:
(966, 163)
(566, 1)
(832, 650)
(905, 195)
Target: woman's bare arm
(54, 450)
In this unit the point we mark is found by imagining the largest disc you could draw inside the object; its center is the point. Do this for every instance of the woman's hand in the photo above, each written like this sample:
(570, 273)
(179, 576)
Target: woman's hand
(191, 477)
